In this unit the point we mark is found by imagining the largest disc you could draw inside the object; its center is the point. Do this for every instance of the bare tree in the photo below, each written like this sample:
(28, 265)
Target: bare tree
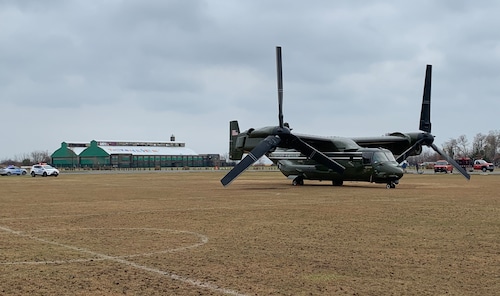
(492, 144)
(7, 161)
(478, 146)
(23, 159)
(40, 156)
(450, 147)
(462, 147)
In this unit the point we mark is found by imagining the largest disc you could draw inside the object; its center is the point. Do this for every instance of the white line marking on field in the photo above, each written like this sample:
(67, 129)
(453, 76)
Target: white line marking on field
(173, 276)
(203, 240)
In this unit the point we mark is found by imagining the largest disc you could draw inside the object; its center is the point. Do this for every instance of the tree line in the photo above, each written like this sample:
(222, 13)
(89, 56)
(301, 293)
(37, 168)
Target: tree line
(27, 159)
(484, 146)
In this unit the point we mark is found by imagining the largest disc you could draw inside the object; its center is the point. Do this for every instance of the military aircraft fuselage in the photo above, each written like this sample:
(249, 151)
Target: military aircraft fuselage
(375, 165)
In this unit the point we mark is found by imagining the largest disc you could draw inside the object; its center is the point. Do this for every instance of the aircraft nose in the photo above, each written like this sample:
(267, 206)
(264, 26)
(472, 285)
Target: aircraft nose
(390, 171)
(398, 171)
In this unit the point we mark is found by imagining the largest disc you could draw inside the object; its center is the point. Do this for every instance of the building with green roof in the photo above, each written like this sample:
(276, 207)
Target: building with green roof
(115, 154)
(64, 157)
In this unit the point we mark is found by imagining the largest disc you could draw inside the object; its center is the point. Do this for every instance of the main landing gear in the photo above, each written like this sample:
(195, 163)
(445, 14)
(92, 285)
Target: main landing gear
(337, 182)
(298, 181)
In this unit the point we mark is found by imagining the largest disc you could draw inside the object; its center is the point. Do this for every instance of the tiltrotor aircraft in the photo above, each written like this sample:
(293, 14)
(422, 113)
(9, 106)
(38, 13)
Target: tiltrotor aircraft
(301, 157)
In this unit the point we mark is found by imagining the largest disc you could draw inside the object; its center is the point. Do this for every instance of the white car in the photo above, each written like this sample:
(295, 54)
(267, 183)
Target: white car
(12, 170)
(44, 170)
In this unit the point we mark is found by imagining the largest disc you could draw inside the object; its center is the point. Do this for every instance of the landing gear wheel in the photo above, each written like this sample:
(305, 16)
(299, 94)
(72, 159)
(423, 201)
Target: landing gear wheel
(337, 182)
(298, 181)
(390, 185)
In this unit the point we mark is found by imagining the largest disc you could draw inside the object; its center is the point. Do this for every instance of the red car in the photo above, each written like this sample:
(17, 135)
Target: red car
(442, 166)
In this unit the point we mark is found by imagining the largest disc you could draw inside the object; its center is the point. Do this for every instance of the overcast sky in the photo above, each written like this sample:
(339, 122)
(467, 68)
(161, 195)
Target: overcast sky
(144, 70)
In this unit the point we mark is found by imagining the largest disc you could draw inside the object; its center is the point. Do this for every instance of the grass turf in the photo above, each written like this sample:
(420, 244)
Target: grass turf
(184, 234)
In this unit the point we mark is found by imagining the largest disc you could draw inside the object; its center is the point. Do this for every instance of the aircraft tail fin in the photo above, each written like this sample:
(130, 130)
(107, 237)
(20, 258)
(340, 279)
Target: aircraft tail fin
(234, 131)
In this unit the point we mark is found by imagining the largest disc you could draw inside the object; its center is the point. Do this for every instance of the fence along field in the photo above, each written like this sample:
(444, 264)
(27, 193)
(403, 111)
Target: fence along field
(184, 234)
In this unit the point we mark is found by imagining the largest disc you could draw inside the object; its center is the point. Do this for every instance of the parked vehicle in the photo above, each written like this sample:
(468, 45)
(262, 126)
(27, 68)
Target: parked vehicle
(443, 166)
(483, 165)
(12, 170)
(478, 164)
(44, 170)
(465, 163)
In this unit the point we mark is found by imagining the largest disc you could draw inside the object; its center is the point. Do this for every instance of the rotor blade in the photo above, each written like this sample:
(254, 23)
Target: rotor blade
(452, 162)
(280, 85)
(262, 148)
(408, 152)
(425, 113)
(314, 154)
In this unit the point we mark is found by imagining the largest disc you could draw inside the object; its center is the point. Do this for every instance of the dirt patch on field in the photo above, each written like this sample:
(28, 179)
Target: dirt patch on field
(184, 234)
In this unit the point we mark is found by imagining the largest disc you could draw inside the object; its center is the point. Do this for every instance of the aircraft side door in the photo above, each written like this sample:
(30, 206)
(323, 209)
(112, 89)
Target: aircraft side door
(367, 164)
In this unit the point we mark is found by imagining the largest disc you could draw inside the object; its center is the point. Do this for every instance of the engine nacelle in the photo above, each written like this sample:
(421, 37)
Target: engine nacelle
(418, 150)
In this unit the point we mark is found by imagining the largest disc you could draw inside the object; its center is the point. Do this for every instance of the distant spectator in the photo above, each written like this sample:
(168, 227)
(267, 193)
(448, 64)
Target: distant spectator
(404, 165)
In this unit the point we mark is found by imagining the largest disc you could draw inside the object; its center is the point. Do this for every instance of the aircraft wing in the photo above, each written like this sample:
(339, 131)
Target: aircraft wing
(329, 144)
(397, 144)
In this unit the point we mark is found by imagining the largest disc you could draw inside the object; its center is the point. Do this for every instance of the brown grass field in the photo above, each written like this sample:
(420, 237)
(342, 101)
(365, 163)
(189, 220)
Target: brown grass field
(182, 233)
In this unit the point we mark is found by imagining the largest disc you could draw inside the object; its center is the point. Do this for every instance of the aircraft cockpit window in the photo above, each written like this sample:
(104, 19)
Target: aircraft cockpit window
(383, 156)
(378, 157)
(367, 157)
(389, 156)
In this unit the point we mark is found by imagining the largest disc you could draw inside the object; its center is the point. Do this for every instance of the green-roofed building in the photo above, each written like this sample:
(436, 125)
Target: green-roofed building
(64, 157)
(94, 156)
(115, 154)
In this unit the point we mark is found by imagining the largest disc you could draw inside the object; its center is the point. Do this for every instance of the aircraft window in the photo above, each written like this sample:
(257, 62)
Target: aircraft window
(389, 156)
(367, 157)
(380, 156)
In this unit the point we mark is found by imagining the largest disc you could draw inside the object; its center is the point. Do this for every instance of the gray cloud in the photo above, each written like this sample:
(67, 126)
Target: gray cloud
(142, 70)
